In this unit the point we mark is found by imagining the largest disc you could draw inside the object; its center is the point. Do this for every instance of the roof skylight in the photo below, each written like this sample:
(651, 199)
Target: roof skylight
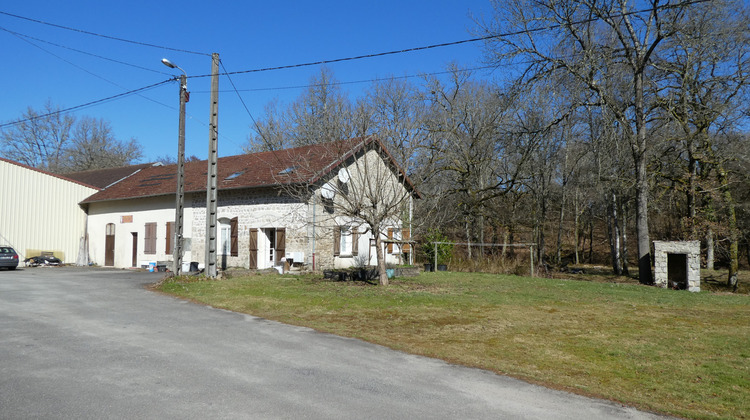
(288, 170)
(234, 175)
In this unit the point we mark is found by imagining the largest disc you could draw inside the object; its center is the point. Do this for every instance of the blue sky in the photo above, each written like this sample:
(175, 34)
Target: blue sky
(247, 35)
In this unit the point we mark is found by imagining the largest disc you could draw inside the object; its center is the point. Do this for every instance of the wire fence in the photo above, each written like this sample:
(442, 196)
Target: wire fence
(530, 246)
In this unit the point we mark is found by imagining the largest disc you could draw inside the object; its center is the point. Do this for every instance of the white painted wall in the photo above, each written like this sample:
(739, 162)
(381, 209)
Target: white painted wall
(260, 209)
(159, 210)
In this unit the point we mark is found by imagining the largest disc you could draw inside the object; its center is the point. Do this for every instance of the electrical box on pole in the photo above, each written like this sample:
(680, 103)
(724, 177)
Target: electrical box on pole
(211, 180)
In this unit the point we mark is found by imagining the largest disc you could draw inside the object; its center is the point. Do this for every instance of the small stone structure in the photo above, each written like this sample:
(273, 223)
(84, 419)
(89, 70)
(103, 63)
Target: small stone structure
(678, 265)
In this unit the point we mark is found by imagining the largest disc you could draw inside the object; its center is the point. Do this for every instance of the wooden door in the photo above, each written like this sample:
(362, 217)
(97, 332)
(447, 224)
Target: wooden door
(135, 249)
(280, 244)
(253, 248)
(109, 245)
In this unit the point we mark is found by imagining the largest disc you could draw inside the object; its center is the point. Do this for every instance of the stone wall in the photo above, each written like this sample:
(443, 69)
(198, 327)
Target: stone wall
(258, 208)
(691, 249)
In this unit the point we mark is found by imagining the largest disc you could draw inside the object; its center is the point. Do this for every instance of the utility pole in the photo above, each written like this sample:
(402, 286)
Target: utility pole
(211, 181)
(180, 204)
(180, 198)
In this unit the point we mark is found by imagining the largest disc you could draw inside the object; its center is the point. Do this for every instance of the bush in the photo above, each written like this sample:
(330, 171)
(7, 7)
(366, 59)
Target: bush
(444, 250)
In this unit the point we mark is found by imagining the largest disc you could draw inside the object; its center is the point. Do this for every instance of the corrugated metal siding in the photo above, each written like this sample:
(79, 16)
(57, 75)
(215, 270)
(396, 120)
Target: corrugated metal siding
(39, 211)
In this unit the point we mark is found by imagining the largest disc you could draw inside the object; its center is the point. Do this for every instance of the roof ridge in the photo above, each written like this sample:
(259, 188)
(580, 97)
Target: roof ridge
(62, 177)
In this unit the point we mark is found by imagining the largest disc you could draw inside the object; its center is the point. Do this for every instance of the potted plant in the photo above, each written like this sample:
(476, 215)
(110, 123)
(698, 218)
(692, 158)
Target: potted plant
(390, 271)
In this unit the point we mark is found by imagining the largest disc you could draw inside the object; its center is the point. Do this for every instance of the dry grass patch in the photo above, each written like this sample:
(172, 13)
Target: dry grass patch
(675, 352)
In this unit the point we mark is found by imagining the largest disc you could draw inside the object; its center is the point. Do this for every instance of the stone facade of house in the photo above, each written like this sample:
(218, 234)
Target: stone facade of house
(272, 207)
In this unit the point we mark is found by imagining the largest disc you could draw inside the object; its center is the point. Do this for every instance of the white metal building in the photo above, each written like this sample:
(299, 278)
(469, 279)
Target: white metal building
(39, 211)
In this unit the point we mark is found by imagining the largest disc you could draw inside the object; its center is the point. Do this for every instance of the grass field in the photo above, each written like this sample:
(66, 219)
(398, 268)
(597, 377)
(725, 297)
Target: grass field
(674, 352)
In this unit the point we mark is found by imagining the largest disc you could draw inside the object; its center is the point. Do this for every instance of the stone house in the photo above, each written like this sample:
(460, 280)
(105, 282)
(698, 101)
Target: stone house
(272, 207)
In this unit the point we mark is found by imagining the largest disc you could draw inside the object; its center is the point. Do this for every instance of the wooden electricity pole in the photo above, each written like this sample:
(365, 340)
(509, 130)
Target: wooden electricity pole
(211, 182)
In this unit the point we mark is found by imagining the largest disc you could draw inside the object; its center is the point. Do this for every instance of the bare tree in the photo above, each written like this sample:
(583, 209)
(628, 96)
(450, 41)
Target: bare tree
(172, 160)
(94, 146)
(39, 138)
(706, 68)
(58, 142)
(394, 111)
(597, 42)
(396, 114)
(466, 146)
(368, 193)
(322, 113)
(271, 132)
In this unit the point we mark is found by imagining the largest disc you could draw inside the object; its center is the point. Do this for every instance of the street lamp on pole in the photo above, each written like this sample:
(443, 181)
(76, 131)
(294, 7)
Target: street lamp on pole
(180, 200)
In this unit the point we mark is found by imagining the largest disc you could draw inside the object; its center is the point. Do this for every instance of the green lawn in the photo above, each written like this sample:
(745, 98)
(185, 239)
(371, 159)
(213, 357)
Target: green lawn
(675, 352)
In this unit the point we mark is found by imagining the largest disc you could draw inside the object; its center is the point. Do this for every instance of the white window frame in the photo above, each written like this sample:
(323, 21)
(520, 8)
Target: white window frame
(225, 237)
(346, 246)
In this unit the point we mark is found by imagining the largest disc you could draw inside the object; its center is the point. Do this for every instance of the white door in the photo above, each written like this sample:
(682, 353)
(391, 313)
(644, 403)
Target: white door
(266, 251)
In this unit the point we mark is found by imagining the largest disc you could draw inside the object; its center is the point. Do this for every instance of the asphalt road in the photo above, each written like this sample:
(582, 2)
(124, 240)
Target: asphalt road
(80, 343)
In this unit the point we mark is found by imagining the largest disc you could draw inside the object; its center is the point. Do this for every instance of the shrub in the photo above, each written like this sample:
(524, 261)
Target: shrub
(444, 250)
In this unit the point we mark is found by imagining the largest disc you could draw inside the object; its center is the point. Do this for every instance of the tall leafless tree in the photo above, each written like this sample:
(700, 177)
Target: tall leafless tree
(58, 142)
(706, 71)
(597, 42)
(94, 146)
(39, 138)
(467, 148)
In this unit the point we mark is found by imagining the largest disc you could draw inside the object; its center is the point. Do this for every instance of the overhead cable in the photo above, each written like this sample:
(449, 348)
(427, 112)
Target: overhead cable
(464, 41)
(255, 123)
(354, 82)
(87, 104)
(83, 69)
(20, 35)
(145, 44)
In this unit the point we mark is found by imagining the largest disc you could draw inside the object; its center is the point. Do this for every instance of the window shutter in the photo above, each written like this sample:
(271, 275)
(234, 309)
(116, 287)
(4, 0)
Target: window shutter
(390, 238)
(149, 246)
(336, 241)
(280, 243)
(170, 238)
(253, 248)
(233, 237)
(405, 236)
(355, 242)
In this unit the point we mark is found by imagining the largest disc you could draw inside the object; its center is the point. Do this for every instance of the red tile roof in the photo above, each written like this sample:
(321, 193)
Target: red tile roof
(103, 178)
(306, 164)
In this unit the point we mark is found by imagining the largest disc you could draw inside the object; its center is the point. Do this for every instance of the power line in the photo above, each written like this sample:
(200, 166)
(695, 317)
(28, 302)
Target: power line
(352, 82)
(68, 28)
(464, 41)
(88, 104)
(359, 57)
(255, 123)
(20, 35)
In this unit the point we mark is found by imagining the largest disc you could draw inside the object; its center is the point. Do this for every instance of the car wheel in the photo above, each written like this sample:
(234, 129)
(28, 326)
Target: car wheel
(11, 268)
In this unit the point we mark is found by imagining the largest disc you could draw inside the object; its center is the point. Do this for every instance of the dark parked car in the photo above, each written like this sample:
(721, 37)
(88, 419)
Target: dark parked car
(8, 257)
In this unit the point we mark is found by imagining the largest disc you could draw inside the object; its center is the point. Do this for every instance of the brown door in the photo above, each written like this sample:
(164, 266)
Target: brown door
(109, 245)
(135, 249)
(253, 249)
(280, 244)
